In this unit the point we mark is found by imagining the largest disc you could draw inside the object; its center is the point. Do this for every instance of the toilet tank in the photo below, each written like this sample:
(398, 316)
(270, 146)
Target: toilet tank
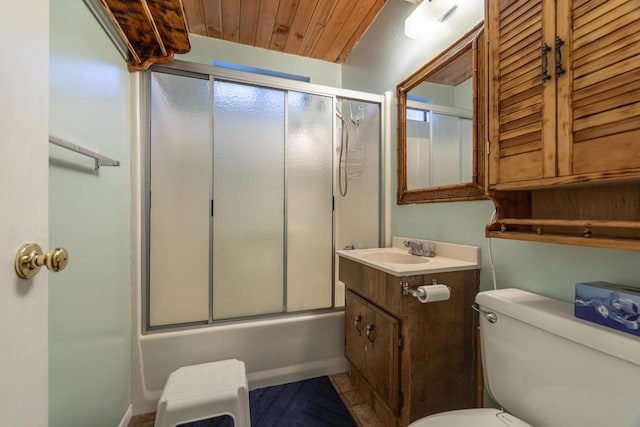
(552, 370)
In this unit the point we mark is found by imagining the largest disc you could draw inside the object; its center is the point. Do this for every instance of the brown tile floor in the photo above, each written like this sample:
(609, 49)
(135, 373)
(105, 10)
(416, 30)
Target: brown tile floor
(359, 410)
(144, 420)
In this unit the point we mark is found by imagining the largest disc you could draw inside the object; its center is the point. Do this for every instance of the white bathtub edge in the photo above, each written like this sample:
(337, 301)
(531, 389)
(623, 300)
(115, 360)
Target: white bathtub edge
(299, 372)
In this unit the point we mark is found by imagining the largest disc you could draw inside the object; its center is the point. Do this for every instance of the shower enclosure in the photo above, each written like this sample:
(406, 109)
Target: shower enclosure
(439, 145)
(242, 208)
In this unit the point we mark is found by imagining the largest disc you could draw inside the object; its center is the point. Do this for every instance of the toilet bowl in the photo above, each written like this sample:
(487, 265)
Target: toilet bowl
(487, 417)
(547, 368)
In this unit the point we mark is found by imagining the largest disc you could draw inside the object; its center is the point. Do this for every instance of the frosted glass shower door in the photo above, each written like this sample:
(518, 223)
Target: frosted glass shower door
(452, 136)
(358, 212)
(248, 194)
(309, 200)
(180, 173)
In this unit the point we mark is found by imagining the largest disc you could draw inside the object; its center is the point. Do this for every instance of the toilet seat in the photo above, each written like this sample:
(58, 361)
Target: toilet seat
(485, 417)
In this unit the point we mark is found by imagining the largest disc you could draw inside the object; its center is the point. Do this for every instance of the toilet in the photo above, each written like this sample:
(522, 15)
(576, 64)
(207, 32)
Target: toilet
(549, 369)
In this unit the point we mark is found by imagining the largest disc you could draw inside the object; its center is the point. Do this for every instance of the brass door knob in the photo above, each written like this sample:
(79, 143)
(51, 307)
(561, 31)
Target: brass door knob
(30, 258)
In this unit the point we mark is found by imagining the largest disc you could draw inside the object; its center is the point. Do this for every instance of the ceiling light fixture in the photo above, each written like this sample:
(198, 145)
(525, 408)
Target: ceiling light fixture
(426, 16)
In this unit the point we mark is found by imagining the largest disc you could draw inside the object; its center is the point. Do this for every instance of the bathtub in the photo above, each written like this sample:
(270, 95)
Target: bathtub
(275, 351)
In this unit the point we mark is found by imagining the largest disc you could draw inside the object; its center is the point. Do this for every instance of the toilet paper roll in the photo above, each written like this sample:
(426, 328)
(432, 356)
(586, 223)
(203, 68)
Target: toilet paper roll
(433, 293)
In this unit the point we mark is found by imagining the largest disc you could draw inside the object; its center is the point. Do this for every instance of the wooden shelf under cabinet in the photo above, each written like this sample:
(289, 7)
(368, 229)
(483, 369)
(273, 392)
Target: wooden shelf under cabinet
(605, 216)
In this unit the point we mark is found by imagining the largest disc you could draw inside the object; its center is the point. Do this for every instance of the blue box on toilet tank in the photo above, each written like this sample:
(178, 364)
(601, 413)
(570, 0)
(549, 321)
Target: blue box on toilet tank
(608, 304)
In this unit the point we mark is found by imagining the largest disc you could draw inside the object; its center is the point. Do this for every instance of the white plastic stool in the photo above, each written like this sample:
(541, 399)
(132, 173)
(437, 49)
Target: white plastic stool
(199, 392)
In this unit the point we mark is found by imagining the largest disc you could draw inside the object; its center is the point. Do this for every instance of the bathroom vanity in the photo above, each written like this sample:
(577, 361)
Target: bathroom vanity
(410, 359)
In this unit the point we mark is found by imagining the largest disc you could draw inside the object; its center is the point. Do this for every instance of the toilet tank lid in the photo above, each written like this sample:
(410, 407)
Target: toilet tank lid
(557, 317)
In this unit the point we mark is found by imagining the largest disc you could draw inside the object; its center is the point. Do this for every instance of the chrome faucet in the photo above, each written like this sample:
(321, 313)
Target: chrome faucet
(420, 248)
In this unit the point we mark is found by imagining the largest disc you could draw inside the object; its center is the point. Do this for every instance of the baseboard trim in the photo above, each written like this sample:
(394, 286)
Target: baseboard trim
(127, 417)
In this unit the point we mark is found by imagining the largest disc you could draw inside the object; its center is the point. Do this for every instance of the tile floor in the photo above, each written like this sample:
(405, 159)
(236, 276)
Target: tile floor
(360, 411)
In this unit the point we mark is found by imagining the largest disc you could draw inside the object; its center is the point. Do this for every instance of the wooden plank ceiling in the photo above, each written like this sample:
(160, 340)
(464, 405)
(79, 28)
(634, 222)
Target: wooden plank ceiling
(322, 29)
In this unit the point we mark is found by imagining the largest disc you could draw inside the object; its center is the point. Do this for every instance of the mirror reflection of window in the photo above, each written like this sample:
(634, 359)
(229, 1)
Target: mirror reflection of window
(439, 145)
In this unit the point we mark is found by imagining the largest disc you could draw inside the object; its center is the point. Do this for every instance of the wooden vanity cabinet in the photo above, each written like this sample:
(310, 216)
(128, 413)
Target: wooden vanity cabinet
(564, 121)
(408, 359)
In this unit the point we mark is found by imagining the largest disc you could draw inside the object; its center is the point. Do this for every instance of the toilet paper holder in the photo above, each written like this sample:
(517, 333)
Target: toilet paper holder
(419, 292)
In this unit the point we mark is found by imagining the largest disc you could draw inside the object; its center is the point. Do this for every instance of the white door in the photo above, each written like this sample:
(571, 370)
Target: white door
(24, 109)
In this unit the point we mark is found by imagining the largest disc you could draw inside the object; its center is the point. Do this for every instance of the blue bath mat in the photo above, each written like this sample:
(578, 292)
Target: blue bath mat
(308, 403)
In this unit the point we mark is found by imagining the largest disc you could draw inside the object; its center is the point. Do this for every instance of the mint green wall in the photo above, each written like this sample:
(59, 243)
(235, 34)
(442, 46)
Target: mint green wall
(383, 58)
(89, 309)
(205, 49)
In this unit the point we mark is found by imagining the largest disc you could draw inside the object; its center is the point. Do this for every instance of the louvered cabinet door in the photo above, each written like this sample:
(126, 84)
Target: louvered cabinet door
(599, 101)
(520, 99)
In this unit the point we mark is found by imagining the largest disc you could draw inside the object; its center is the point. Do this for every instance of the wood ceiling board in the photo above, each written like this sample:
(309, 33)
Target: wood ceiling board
(355, 38)
(249, 12)
(282, 25)
(456, 72)
(300, 25)
(231, 20)
(318, 22)
(322, 29)
(212, 18)
(351, 25)
(194, 12)
(266, 20)
(337, 20)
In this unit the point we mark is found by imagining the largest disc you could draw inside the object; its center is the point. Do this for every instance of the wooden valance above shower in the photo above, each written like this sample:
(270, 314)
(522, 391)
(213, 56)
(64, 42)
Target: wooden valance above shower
(152, 30)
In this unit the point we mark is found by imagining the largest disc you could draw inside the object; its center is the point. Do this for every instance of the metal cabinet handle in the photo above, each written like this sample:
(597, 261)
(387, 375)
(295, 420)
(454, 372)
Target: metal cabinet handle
(371, 333)
(559, 69)
(545, 62)
(30, 259)
(356, 323)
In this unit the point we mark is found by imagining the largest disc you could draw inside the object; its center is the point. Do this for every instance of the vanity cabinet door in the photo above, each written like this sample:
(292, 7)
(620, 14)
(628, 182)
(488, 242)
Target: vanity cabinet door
(355, 329)
(382, 369)
(371, 345)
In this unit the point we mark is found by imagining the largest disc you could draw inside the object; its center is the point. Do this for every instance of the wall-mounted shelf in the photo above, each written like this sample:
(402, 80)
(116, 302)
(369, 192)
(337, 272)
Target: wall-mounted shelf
(99, 159)
(550, 237)
(604, 216)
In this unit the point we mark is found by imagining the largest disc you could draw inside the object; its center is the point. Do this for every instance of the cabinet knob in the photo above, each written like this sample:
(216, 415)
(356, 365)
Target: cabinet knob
(371, 332)
(356, 323)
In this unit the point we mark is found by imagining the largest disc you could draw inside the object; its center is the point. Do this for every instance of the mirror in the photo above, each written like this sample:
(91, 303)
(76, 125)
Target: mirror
(441, 126)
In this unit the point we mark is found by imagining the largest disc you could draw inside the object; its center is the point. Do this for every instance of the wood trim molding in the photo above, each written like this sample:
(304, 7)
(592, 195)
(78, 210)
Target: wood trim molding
(153, 30)
(473, 44)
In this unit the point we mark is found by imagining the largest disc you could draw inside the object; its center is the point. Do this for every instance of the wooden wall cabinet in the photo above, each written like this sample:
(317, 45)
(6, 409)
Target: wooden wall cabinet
(409, 360)
(564, 120)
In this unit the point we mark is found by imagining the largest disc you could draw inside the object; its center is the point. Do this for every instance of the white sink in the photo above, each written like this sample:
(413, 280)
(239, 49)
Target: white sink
(397, 261)
(392, 256)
